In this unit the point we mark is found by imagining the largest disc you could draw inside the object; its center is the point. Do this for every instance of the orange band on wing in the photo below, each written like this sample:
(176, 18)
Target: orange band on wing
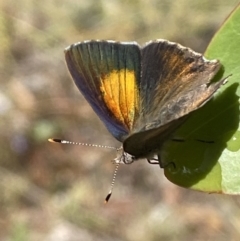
(120, 93)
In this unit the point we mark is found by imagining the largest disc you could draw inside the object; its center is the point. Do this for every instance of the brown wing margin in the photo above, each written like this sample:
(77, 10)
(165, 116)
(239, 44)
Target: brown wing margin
(175, 81)
(107, 73)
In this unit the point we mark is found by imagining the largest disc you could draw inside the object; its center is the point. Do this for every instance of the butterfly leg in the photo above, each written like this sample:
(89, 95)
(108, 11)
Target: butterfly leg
(164, 165)
(204, 141)
(200, 140)
(177, 140)
(158, 161)
(153, 161)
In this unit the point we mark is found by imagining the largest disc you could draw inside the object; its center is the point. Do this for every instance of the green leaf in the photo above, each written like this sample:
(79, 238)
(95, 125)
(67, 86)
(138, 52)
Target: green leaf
(209, 157)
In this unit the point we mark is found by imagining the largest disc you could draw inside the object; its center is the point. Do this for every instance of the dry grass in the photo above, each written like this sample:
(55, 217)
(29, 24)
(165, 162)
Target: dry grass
(52, 192)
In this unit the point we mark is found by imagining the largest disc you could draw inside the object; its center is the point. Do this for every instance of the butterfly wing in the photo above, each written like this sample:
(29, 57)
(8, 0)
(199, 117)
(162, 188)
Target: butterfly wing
(108, 73)
(175, 81)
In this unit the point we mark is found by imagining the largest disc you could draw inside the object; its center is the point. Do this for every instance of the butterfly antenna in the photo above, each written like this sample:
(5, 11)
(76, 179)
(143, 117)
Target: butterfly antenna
(54, 140)
(112, 184)
(79, 143)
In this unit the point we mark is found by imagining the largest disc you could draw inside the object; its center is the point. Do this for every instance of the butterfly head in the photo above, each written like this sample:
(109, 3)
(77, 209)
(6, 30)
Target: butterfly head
(124, 157)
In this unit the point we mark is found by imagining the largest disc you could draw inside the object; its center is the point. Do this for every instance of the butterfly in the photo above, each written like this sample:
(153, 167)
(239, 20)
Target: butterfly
(142, 94)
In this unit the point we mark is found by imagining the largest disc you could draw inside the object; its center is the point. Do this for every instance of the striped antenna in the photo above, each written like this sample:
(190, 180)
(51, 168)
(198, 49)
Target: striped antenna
(112, 184)
(79, 143)
(93, 145)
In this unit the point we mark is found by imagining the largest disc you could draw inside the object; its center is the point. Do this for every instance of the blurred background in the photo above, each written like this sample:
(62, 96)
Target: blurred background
(54, 192)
